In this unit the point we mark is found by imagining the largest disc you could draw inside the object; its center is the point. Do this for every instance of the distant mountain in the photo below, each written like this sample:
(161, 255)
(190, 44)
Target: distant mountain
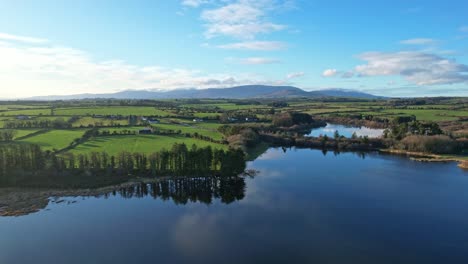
(347, 93)
(238, 92)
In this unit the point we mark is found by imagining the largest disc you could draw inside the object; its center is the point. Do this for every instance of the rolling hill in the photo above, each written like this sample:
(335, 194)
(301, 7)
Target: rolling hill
(238, 92)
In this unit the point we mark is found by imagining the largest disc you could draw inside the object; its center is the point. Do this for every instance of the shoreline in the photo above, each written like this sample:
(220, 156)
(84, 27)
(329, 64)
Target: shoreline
(19, 201)
(428, 157)
(334, 145)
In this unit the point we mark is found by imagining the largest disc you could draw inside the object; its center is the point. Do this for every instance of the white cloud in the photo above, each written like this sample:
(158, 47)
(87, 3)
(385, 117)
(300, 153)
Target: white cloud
(243, 19)
(418, 41)
(9, 37)
(255, 45)
(346, 75)
(464, 29)
(258, 61)
(416, 67)
(247, 31)
(294, 75)
(28, 69)
(198, 233)
(194, 3)
(329, 73)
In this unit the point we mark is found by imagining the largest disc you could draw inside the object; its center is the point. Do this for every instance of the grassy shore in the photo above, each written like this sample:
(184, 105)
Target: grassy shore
(463, 164)
(429, 157)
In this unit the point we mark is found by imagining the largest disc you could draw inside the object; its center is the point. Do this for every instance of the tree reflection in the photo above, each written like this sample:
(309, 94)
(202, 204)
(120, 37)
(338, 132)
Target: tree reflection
(184, 190)
(24, 201)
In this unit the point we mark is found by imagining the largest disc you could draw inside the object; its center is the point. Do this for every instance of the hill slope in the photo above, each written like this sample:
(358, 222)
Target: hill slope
(238, 92)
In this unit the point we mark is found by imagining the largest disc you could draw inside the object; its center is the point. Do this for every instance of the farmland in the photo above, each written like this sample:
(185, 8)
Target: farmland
(111, 110)
(54, 139)
(138, 143)
(60, 126)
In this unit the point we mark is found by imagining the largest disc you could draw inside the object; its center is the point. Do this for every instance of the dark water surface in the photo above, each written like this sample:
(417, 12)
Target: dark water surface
(302, 207)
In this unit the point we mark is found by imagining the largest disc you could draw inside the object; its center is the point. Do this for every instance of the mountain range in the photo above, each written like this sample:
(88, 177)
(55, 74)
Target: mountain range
(238, 92)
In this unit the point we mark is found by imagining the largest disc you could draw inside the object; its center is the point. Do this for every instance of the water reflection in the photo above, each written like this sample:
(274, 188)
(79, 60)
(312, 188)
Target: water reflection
(17, 202)
(301, 207)
(184, 190)
(346, 131)
(280, 153)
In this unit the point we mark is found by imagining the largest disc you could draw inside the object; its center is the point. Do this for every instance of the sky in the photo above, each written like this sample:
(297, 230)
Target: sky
(392, 48)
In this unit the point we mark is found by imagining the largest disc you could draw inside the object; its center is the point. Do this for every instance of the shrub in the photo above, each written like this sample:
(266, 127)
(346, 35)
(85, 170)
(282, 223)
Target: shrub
(438, 144)
(290, 119)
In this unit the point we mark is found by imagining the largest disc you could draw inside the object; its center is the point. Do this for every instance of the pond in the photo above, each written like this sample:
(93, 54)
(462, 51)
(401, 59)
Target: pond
(346, 131)
(303, 206)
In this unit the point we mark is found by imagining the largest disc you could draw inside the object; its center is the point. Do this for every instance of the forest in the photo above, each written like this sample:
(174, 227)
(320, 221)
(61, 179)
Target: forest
(29, 159)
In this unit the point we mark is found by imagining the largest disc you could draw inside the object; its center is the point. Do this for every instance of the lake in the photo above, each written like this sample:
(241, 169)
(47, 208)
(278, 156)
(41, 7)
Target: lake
(303, 206)
(346, 131)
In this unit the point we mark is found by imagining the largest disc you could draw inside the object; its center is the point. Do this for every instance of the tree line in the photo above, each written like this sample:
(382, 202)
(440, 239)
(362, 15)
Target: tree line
(7, 135)
(58, 123)
(178, 161)
(398, 130)
(95, 132)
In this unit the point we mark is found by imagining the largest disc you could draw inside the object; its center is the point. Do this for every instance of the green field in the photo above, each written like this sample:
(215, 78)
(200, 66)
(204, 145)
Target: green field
(429, 114)
(19, 107)
(178, 115)
(29, 112)
(24, 132)
(54, 139)
(191, 130)
(113, 110)
(208, 125)
(223, 106)
(205, 114)
(91, 121)
(331, 110)
(138, 143)
(421, 114)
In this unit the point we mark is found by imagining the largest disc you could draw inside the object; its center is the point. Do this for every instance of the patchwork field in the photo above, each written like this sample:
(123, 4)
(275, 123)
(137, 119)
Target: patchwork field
(176, 116)
(30, 112)
(54, 139)
(87, 121)
(191, 130)
(138, 143)
(19, 133)
(113, 110)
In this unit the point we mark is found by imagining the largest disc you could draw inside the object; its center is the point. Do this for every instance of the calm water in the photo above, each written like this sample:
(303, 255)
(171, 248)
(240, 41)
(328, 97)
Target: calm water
(302, 207)
(346, 131)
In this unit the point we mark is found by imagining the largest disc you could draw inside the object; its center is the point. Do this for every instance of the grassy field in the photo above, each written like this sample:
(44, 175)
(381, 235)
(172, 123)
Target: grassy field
(191, 130)
(19, 107)
(205, 114)
(430, 114)
(208, 125)
(178, 115)
(113, 110)
(421, 114)
(29, 112)
(24, 132)
(139, 143)
(87, 121)
(54, 139)
(331, 110)
(223, 106)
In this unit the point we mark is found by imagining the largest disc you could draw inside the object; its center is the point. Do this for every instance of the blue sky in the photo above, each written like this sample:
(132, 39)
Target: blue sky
(397, 48)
